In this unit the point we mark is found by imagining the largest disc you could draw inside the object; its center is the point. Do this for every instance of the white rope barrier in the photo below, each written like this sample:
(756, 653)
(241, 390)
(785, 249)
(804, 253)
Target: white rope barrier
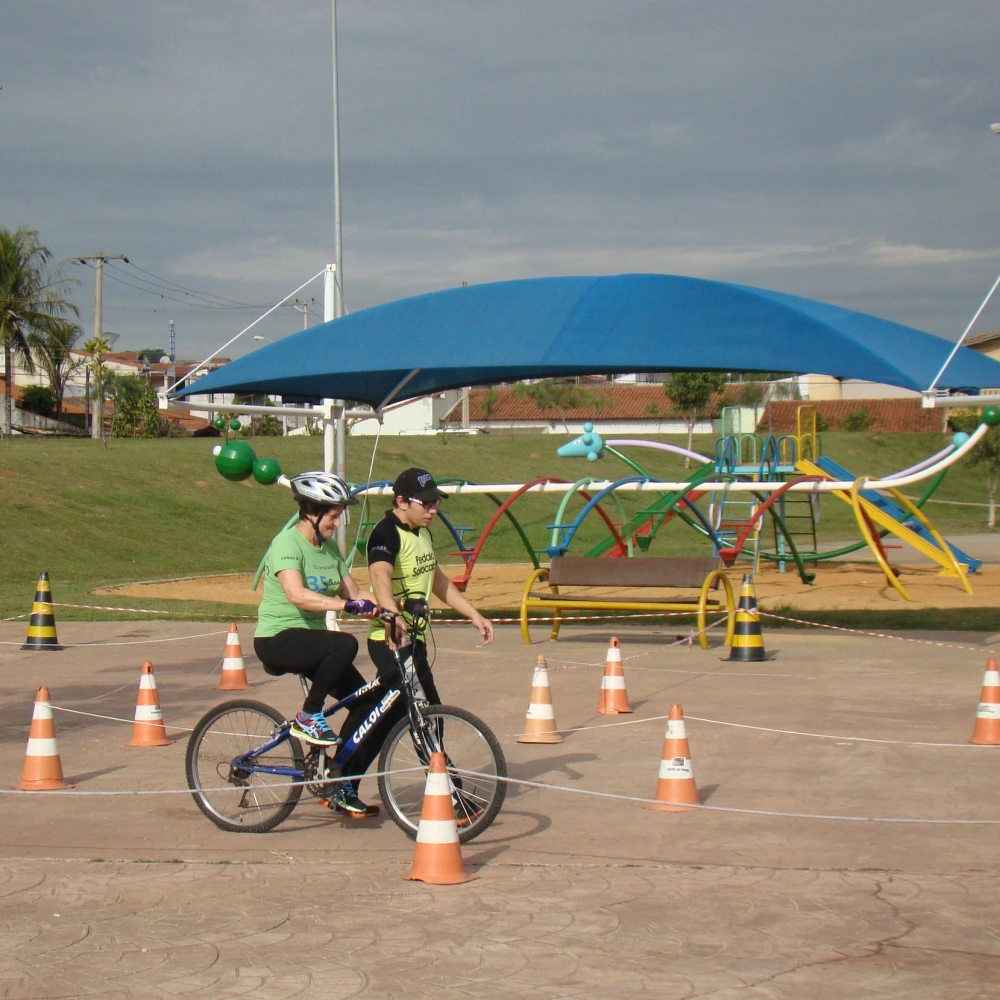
(728, 809)
(76, 793)
(128, 642)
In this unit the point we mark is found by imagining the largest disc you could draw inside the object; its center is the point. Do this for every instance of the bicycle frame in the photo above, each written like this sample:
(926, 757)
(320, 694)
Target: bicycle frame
(408, 688)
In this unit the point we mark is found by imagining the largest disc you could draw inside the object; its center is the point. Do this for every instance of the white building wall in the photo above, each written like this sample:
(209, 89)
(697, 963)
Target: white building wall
(421, 416)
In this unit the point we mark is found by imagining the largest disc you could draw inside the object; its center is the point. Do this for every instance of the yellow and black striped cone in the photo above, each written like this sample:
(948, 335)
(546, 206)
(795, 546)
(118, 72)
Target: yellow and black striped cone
(42, 626)
(748, 640)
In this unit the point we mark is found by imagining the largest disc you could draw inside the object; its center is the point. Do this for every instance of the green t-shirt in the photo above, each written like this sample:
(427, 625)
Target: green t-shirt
(322, 570)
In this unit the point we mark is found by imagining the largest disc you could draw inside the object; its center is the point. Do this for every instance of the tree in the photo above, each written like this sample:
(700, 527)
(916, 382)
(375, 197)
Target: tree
(32, 303)
(490, 401)
(136, 414)
(691, 392)
(38, 399)
(100, 382)
(986, 452)
(550, 394)
(858, 420)
(53, 354)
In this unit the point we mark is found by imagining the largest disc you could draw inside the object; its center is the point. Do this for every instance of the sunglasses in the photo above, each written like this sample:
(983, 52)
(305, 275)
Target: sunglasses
(427, 504)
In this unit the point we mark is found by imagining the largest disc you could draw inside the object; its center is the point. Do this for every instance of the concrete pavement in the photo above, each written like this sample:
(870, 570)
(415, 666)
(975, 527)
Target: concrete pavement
(578, 896)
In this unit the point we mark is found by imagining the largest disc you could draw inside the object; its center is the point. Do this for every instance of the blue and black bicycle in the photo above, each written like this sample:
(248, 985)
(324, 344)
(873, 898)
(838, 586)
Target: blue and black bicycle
(247, 772)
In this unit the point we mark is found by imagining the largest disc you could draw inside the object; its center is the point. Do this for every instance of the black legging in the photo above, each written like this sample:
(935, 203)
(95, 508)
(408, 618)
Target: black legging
(388, 676)
(325, 658)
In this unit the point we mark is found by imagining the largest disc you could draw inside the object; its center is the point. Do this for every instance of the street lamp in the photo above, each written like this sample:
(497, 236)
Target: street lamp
(268, 339)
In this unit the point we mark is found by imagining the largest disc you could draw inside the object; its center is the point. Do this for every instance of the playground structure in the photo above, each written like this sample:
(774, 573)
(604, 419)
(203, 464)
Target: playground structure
(752, 482)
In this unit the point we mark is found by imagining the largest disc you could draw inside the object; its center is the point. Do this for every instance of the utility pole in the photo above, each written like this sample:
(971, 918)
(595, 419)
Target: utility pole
(340, 451)
(302, 307)
(97, 403)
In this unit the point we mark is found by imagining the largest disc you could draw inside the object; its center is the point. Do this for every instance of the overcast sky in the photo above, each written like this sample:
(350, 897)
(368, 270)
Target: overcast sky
(839, 151)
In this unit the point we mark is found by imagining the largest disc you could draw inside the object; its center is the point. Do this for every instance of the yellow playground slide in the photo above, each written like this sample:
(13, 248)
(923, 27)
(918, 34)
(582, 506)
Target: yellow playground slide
(869, 514)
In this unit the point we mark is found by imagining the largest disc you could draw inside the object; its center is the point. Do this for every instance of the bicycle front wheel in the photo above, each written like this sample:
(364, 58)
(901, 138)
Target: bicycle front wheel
(238, 779)
(469, 746)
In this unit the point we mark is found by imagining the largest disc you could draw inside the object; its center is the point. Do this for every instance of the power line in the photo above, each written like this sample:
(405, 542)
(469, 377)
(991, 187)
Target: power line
(146, 285)
(173, 285)
(175, 309)
(173, 298)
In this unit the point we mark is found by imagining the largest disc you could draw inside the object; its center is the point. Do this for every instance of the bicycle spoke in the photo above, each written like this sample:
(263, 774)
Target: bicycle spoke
(225, 763)
(466, 748)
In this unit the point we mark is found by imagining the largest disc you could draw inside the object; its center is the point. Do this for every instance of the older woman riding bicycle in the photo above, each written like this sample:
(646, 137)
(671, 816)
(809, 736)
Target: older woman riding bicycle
(305, 578)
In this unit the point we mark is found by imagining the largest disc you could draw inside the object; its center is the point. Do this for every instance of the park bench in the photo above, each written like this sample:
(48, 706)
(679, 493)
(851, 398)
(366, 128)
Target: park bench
(657, 573)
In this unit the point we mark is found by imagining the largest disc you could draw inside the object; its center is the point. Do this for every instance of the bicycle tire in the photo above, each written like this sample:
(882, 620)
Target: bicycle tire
(223, 733)
(469, 746)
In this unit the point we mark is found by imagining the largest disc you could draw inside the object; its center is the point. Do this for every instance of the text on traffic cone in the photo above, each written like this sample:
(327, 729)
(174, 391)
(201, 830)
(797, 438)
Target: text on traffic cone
(148, 729)
(987, 731)
(42, 767)
(437, 857)
(675, 788)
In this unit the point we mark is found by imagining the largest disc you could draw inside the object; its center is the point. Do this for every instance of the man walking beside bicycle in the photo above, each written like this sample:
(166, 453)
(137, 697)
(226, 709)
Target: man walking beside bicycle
(402, 565)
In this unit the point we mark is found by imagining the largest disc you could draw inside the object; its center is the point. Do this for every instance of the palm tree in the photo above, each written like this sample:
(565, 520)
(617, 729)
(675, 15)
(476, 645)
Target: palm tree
(32, 303)
(53, 351)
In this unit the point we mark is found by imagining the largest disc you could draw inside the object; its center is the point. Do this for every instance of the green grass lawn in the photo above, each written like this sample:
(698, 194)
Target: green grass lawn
(92, 515)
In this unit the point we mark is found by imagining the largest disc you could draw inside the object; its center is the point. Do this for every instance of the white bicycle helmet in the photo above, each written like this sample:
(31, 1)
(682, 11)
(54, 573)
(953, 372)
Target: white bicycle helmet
(322, 488)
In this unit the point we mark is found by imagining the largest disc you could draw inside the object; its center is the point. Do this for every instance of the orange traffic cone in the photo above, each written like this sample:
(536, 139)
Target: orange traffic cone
(613, 699)
(42, 766)
(437, 858)
(987, 729)
(234, 672)
(148, 729)
(540, 722)
(676, 788)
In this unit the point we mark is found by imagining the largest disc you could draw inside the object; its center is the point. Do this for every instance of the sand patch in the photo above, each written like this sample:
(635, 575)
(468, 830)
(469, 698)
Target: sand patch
(840, 587)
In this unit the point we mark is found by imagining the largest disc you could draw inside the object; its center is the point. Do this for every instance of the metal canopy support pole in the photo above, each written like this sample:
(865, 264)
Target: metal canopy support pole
(329, 431)
(340, 451)
(965, 333)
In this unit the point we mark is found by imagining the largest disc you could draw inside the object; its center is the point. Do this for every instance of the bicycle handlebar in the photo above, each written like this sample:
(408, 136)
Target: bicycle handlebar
(415, 607)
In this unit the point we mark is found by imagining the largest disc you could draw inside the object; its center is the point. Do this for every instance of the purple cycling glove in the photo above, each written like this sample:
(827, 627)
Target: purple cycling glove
(361, 607)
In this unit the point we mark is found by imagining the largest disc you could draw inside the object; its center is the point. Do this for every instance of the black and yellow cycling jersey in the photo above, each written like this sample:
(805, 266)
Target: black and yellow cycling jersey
(410, 552)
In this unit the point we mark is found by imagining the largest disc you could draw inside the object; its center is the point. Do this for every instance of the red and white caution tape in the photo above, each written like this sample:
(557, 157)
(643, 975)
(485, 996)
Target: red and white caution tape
(874, 635)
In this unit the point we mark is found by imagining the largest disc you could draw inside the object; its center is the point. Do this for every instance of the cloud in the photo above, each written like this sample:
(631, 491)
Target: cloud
(840, 151)
(913, 255)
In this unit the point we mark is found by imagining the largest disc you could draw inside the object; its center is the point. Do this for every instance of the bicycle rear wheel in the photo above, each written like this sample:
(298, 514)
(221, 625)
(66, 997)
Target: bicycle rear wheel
(469, 745)
(243, 798)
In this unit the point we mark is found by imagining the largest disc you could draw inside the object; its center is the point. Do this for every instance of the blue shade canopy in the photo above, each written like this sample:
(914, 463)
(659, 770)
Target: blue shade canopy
(585, 325)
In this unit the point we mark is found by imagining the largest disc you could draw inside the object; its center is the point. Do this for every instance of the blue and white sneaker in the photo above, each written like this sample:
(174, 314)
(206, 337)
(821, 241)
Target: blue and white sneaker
(314, 729)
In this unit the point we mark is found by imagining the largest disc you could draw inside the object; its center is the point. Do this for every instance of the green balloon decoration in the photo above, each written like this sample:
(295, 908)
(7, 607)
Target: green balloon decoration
(991, 416)
(235, 425)
(235, 461)
(266, 471)
(219, 423)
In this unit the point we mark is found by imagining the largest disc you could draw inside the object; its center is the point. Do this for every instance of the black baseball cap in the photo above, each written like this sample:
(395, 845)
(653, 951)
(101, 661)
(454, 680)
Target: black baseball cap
(417, 484)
